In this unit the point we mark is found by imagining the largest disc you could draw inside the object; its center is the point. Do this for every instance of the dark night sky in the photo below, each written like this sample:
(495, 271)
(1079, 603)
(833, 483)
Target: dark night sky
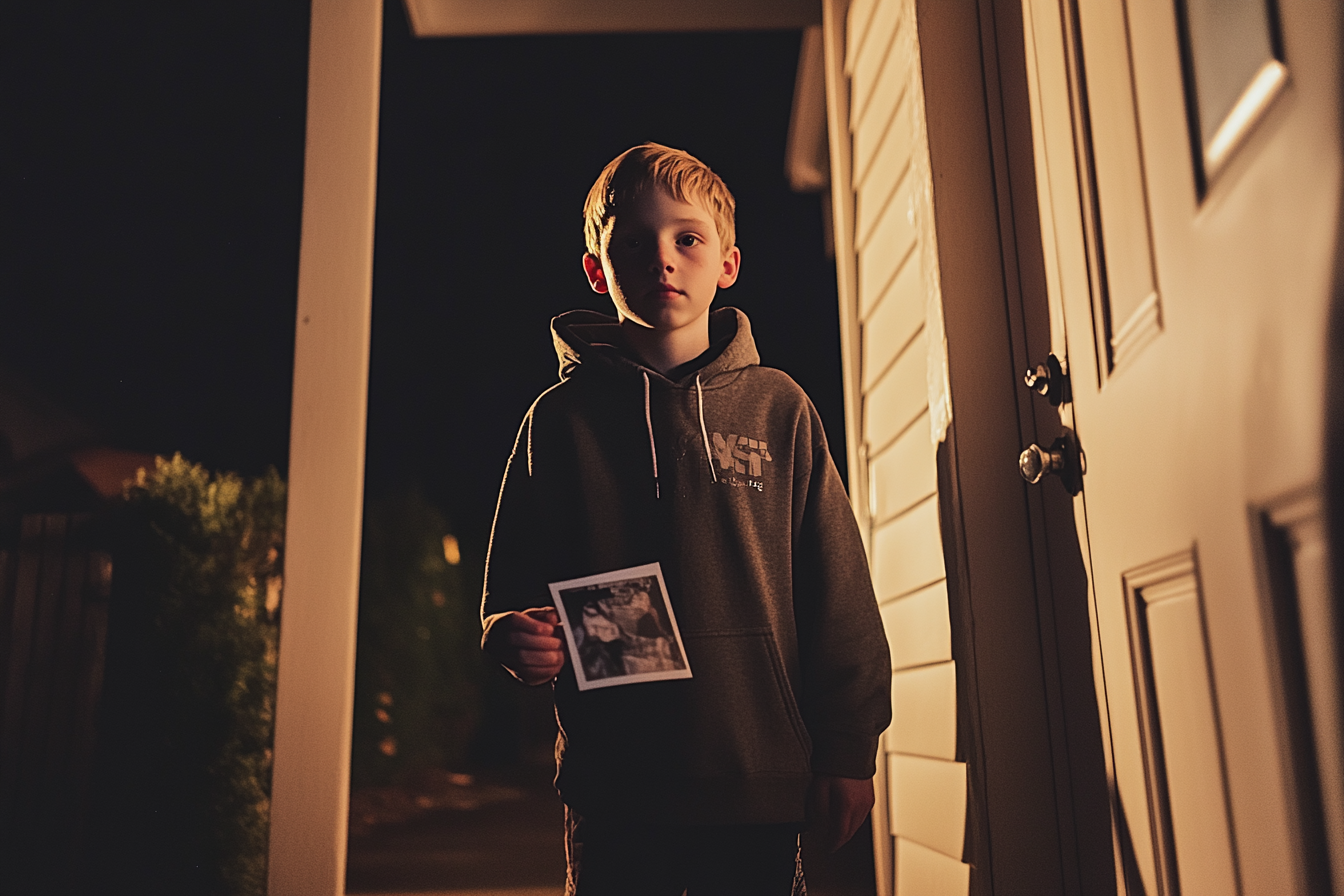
(152, 171)
(151, 163)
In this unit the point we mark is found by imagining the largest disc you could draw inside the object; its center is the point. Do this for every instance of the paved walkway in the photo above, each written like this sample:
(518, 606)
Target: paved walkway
(529, 891)
(509, 844)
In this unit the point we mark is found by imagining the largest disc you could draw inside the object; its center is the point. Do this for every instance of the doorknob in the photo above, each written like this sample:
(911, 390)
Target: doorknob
(1062, 459)
(1050, 380)
(1035, 463)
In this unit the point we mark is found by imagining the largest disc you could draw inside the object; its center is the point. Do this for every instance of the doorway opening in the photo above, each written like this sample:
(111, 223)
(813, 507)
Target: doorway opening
(487, 147)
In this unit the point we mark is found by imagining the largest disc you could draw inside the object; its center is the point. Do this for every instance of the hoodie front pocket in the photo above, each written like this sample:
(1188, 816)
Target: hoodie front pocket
(743, 718)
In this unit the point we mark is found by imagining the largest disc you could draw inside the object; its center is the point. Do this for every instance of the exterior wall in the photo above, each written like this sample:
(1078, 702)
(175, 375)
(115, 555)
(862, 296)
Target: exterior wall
(898, 410)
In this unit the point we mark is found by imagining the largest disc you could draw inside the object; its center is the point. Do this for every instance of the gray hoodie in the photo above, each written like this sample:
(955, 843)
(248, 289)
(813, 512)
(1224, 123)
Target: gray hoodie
(723, 477)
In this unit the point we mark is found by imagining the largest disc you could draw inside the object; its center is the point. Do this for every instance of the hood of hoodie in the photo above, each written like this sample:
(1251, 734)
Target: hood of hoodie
(593, 341)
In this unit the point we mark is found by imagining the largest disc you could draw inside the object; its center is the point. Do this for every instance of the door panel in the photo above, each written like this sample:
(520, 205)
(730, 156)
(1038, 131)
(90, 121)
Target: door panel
(1193, 410)
(1178, 722)
(1126, 308)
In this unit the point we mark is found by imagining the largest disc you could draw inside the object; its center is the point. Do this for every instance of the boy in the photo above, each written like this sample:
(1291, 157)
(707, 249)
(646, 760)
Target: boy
(666, 442)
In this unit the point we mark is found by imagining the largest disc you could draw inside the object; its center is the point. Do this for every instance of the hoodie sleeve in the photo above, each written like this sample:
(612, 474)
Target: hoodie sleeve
(513, 570)
(843, 654)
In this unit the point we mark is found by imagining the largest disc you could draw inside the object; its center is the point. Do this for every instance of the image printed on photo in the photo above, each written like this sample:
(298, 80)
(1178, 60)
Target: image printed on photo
(620, 628)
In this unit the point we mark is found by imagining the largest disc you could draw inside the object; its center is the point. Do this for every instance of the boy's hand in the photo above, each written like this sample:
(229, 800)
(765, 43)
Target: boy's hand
(528, 644)
(836, 807)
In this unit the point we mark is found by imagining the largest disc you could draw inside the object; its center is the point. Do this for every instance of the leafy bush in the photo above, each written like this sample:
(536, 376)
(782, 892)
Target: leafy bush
(417, 673)
(188, 711)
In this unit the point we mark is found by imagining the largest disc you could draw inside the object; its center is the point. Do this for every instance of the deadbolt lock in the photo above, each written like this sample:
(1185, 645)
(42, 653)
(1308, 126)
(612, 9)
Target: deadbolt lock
(1050, 380)
(1062, 459)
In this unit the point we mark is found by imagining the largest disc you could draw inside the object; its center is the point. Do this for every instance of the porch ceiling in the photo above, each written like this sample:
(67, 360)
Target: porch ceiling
(467, 18)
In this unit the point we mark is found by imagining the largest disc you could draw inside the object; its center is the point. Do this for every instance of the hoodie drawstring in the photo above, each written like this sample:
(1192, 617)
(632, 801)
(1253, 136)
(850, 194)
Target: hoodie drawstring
(704, 433)
(653, 447)
(700, 405)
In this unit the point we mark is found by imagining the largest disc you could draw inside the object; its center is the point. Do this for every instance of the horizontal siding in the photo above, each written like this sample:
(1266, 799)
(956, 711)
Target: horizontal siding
(889, 170)
(928, 801)
(881, 114)
(894, 319)
(921, 871)
(903, 474)
(900, 397)
(888, 253)
(919, 630)
(924, 711)
(907, 552)
(856, 29)
(866, 82)
(907, 288)
(926, 792)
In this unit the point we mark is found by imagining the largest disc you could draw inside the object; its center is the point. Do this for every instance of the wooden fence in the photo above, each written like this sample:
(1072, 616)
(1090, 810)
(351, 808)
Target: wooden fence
(54, 587)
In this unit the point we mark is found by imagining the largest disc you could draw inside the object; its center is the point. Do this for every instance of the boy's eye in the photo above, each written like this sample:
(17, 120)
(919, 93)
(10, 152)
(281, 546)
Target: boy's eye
(689, 239)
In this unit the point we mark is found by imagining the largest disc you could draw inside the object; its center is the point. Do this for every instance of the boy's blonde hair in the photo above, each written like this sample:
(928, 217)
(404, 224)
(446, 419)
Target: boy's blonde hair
(684, 176)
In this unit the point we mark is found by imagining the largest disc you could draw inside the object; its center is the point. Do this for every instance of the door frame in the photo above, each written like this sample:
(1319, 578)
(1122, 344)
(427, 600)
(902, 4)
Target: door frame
(1027, 789)
(310, 775)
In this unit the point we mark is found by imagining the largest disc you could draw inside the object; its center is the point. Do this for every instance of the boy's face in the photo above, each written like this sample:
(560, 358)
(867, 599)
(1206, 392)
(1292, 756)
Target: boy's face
(662, 262)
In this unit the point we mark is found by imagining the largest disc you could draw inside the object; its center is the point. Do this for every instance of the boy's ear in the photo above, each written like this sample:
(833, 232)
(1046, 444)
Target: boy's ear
(597, 278)
(731, 265)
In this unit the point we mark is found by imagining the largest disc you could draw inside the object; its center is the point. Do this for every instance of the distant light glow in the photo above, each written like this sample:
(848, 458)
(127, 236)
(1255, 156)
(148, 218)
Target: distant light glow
(451, 551)
(274, 586)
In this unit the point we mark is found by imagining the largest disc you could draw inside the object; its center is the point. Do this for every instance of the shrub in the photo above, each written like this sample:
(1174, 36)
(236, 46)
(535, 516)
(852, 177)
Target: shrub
(188, 713)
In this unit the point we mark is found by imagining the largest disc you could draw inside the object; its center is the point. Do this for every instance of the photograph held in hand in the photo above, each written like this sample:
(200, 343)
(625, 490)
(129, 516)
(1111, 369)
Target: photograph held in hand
(620, 628)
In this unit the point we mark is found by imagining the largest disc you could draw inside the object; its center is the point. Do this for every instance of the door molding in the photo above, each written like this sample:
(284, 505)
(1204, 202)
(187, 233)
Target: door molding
(1038, 812)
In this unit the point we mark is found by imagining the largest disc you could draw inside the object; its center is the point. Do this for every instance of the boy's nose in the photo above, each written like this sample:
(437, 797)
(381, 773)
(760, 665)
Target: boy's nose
(662, 258)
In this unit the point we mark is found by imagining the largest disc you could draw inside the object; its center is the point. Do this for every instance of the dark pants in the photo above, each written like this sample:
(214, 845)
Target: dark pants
(617, 858)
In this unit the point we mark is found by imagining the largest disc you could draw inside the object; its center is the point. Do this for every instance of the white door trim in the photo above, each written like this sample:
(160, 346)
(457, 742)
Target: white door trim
(314, 705)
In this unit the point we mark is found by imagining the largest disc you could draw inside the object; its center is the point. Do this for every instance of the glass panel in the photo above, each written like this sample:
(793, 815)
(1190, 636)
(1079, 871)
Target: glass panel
(1228, 42)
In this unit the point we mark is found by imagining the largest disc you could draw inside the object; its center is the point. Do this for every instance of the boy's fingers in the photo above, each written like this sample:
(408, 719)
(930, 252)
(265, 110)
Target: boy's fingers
(535, 642)
(846, 827)
(541, 658)
(539, 673)
(838, 807)
(528, 643)
(534, 621)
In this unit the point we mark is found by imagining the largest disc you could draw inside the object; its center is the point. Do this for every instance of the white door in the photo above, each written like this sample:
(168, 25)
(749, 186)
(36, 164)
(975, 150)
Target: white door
(1188, 174)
